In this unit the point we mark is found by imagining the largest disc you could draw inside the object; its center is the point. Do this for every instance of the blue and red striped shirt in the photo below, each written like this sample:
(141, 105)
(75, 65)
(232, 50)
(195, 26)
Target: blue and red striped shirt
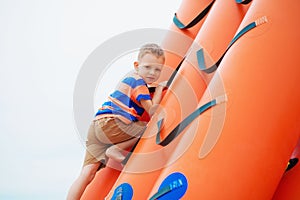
(124, 102)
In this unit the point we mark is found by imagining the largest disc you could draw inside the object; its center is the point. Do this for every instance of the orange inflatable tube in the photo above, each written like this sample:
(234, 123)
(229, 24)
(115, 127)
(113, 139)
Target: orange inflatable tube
(181, 99)
(243, 131)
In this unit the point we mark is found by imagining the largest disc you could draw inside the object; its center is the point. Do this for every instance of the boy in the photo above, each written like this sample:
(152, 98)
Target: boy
(116, 124)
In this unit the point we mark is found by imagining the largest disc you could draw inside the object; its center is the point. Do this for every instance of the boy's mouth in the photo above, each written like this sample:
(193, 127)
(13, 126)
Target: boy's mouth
(151, 78)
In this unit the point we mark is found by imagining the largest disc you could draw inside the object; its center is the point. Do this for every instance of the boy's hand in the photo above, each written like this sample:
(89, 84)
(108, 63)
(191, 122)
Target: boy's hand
(151, 105)
(163, 84)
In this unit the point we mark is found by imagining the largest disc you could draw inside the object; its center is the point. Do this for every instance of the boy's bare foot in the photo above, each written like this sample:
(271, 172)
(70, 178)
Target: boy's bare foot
(114, 153)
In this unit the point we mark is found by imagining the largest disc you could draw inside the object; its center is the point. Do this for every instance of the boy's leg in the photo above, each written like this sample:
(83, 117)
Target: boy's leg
(114, 152)
(87, 174)
(123, 137)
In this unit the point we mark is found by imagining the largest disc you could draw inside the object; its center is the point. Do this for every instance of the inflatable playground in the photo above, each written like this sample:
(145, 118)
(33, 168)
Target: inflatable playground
(228, 125)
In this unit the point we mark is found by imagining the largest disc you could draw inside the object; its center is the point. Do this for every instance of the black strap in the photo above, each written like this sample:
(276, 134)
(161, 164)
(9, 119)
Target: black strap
(174, 73)
(199, 17)
(161, 192)
(292, 163)
(167, 189)
(200, 53)
(182, 125)
(243, 1)
(132, 149)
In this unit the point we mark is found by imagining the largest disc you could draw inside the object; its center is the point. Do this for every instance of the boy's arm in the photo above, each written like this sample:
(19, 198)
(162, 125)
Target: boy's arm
(151, 105)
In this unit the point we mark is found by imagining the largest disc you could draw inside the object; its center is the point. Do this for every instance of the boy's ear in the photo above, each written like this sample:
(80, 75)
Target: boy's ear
(136, 65)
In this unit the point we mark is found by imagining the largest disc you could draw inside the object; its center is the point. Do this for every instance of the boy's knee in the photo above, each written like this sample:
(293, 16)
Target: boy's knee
(89, 171)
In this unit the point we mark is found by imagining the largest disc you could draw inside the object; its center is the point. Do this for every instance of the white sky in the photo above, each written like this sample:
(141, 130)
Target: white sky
(43, 44)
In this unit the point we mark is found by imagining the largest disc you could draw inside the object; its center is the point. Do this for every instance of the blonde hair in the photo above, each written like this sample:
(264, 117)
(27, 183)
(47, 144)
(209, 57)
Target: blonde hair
(153, 49)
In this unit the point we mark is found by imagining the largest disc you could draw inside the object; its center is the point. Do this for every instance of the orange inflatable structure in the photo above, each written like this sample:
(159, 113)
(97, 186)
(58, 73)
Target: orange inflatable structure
(229, 121)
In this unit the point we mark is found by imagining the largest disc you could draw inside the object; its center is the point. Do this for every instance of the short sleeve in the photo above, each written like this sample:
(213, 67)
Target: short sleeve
(141, 93)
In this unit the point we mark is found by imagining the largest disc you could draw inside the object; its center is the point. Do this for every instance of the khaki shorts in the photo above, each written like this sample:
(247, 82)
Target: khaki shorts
(105, 132)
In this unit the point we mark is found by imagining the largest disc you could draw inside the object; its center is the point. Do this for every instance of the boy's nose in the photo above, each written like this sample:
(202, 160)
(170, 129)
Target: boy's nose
(152, 71)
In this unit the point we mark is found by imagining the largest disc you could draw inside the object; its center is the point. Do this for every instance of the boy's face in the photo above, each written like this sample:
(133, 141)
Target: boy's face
(149, 67)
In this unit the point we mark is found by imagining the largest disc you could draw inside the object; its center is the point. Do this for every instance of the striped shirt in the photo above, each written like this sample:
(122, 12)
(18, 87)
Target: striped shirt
(124, 102)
